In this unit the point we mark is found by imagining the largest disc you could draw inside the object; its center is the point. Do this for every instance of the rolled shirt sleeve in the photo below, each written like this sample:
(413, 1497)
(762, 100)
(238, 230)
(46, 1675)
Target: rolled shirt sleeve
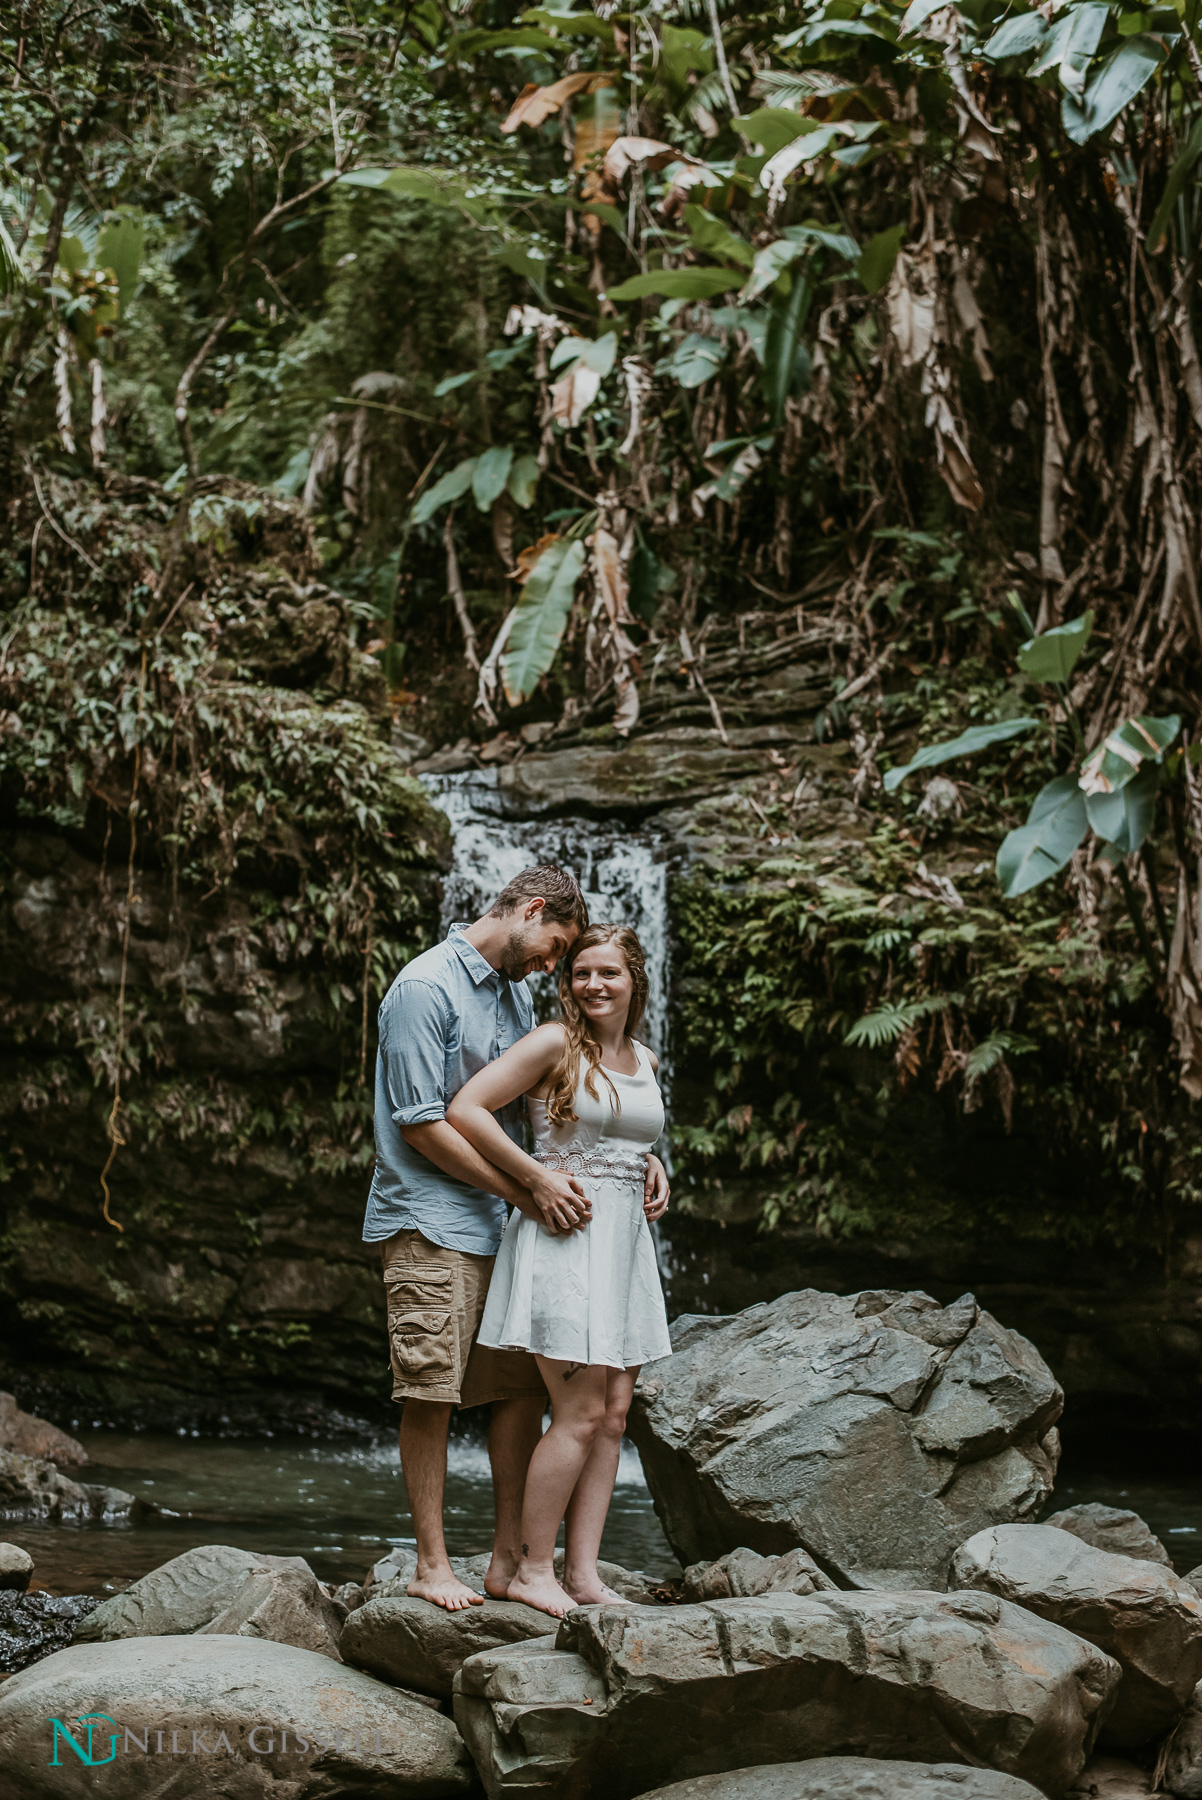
(413, 1052)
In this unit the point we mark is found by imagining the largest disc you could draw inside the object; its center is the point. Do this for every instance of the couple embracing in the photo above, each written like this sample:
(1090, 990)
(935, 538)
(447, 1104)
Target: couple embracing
(560, 1297)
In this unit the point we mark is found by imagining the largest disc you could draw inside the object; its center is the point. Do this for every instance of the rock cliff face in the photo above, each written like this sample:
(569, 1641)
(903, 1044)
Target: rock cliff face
(285, 864)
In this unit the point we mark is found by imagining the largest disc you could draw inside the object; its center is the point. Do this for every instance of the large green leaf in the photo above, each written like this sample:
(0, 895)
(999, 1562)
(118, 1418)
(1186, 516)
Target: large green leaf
(523, 479)
(679, 284)
(695, 359)
(569, 24)
(1085, 34)
(1055, 826)
(1121, 77)
(449, 487)
(119, 248)
(774, 126)
(769, 263)
(715, 238)
(1054, 654)
(490, 474)
(878, 257)
(542, 612)
(1117, 760)
(886, 1024)
(782, 342)
(1016, 36)
(977, 737)
(1125, 818)
(1173, 186)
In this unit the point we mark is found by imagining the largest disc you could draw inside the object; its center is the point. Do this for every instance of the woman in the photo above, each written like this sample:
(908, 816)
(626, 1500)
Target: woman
(587, 1302)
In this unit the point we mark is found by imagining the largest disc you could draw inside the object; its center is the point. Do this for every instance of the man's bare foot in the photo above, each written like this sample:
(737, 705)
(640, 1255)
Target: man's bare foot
(501, 1571)
(590, 1590)
(444, 1588)
(541, 1591)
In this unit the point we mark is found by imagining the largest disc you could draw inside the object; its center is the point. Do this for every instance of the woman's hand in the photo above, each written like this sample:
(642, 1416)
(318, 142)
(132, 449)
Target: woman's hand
(561, 1200)
(656, 1192)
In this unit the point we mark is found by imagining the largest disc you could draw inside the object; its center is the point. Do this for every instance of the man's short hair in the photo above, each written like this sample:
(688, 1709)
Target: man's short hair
(565, 904)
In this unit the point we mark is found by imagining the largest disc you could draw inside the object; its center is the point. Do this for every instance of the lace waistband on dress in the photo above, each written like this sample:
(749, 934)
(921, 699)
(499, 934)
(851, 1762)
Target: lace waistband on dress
(602, 1165)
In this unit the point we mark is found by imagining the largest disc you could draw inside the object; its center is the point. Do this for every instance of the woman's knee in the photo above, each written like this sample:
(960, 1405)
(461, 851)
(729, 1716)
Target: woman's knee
(613, 1420)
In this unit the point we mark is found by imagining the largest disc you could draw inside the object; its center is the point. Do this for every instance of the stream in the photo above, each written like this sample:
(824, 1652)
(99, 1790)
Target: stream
(340, 1505)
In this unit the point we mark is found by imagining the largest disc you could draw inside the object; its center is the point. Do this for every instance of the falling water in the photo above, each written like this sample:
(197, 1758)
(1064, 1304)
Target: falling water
(623, 874)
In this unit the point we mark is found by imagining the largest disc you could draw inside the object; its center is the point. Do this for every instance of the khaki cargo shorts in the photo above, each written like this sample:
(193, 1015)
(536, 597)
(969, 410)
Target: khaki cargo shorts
(435, 1303)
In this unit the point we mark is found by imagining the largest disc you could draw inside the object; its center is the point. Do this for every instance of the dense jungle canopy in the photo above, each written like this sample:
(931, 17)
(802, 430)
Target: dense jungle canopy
(378, 377)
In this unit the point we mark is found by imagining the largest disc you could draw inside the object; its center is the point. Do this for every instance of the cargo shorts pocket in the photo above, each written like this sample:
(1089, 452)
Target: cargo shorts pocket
(421, 1325)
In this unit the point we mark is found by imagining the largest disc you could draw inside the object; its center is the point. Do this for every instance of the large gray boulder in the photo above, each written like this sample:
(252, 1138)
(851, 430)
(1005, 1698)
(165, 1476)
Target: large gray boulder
(624, 1698)
(851, 1778)
(1111, 1528)
(1148, 1619)
(284, 1606)
(238, 1718)
(416, 1645)
(875, 1431)
(181, 1596)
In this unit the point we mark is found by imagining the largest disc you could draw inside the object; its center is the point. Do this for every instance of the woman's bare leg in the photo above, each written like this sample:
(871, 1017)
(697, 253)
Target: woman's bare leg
(578, 1405)
(589, 1506)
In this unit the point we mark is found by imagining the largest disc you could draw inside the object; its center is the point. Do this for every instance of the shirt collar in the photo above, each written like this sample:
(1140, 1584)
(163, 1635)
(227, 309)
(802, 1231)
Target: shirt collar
(477, 966)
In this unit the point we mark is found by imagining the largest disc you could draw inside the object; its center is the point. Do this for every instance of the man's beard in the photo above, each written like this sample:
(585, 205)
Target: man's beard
(515, 957)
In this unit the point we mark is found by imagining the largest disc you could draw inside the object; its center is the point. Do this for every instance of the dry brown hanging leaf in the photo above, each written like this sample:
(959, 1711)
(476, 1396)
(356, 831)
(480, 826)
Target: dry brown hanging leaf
(574, 393)
(534, 103)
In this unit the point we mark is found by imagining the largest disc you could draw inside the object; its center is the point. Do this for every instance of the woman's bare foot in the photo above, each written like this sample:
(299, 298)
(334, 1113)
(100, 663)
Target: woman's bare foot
(442, 1587)
(501, 1571)
(590, 1590)
(536, 1588)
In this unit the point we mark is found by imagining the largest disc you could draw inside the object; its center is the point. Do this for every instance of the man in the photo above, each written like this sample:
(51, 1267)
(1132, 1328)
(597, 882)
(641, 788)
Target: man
(437, 1208)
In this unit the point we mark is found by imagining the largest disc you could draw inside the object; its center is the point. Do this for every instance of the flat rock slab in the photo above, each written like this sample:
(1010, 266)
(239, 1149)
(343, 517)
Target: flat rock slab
(1138, 1612)
(851, 1778)
(1111, 1528)
(665, 768)
(622, 1698)
(31, 1436)
(232, 1704)
(416, 1645)
(875, 1431)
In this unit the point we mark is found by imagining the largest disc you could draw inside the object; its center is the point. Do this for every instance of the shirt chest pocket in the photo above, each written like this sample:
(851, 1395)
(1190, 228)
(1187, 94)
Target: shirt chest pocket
(421, 1302)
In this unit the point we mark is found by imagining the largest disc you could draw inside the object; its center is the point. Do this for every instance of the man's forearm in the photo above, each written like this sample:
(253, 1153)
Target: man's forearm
(442, 1145)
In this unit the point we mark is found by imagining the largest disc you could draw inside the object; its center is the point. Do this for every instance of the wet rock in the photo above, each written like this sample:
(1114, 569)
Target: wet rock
(676, 765)
(1111, 1528)
(745, 1572)
(416, 1645)
(293, 1724)
(285, 1606)
(34, 1625)
(1107, 1778)
(1138, 1612)
(876, 1431)
(851, 1778)
(183, 1595)
(31, 1436)
(1182, 1754)
(16, 1567)
(623, 1699)
(32, 1488)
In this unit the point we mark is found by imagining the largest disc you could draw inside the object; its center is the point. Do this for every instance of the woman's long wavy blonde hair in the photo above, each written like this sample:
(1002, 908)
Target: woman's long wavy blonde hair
(579, 1042)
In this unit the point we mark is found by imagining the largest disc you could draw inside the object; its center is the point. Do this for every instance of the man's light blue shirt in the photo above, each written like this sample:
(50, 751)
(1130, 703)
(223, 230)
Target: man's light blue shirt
(447, 1015)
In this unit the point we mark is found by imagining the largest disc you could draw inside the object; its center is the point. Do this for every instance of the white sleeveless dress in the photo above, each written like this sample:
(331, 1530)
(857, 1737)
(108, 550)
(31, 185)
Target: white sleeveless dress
(593, 1296)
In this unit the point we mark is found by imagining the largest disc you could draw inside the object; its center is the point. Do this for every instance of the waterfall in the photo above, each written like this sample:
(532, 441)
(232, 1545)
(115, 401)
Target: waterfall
(623, 872)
